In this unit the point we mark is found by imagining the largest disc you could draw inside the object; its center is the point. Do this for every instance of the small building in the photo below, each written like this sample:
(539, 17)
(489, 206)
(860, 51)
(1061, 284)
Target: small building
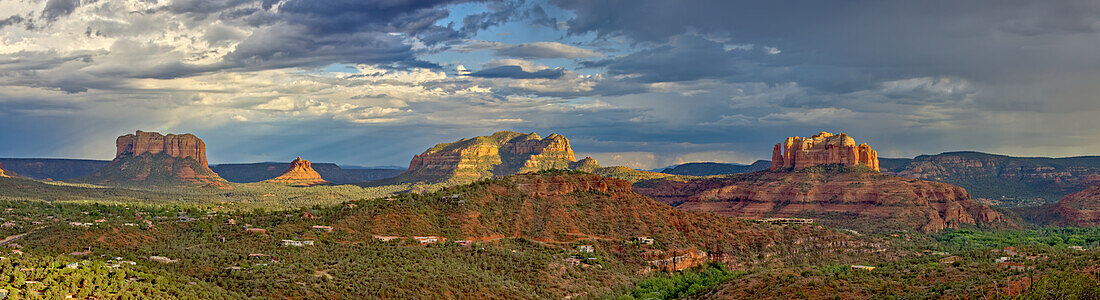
(100, 220)
(386, 238)
(451, 197)
(643, 240)
(865, 268)
(586, 248)
(1078, 248)
(162, 259)
(785, 221)
(297, 243)
(72, 265)
(259, 231)
(321, 227)
(1002, 259)
(428, 239)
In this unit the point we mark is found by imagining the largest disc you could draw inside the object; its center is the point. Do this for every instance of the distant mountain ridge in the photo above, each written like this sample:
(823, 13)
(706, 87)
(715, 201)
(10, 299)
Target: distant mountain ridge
(333, 173)
(1020, 180)
(712, 168)
(52, 168)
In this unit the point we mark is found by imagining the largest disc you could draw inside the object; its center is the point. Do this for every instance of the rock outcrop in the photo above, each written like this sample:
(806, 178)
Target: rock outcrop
(149, 158)
(300, 173)
(178, 146)
(855, 198)
(4, 173)
(1081, 208)
(502, 153)
(823, 148)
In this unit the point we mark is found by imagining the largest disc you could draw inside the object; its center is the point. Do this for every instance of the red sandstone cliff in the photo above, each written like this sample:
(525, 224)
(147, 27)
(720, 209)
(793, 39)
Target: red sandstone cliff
(1081, 208)
(300, 173)
(823, 148)
(502, 153)
(179, 146)
(842, 199)
(4, 173)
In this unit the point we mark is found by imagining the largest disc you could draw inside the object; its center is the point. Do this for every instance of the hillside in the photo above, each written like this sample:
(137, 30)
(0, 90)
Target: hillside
(712, 168)
(256, 172)
(1007, 180)
(52, 168)
(519, 239)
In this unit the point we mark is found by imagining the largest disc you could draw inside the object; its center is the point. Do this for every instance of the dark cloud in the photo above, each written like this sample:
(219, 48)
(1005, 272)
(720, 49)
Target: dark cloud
(517, 72)
(59, 8)
(684, 58)
(12, 20)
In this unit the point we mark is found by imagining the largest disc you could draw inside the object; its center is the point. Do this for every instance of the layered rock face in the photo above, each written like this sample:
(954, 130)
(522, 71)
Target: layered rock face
(1010, 181)
(823, 148)
(2, 172)
(1081, 208)
(149, 158)
(502, 153)
(300, 173)
(861, 200)
(178, 146)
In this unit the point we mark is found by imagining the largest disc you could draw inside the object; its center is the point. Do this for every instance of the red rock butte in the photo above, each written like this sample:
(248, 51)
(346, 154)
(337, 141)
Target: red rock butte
(300, 173)
(179, 146)
(823, 148)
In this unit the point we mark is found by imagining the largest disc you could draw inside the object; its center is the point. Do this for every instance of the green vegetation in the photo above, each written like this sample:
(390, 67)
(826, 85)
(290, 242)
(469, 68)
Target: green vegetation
(1057, 237)
(679, 285)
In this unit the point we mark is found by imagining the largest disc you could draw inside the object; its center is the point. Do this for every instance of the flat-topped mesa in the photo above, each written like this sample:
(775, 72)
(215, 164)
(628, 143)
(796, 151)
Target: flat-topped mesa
(179, 146)
(300, 173)
(149, 158)
(823, 148)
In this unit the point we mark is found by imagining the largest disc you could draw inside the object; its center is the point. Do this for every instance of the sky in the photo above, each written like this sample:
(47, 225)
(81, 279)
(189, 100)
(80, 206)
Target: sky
(639, 83)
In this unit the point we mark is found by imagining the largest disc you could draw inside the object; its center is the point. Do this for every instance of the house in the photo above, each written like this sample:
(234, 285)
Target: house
(325, 228)
(940, 253)
(859, 267)
(259, 231)
(464, 242)
(643, 240)
(428, 239)
(785, 221)
(586, 248)
(572, 261)
(1078, 248)
(100, 220)
(162, 259)
(297, 243)
(1002, 259)
(72, 265)
(451, 197)
(386, 238)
